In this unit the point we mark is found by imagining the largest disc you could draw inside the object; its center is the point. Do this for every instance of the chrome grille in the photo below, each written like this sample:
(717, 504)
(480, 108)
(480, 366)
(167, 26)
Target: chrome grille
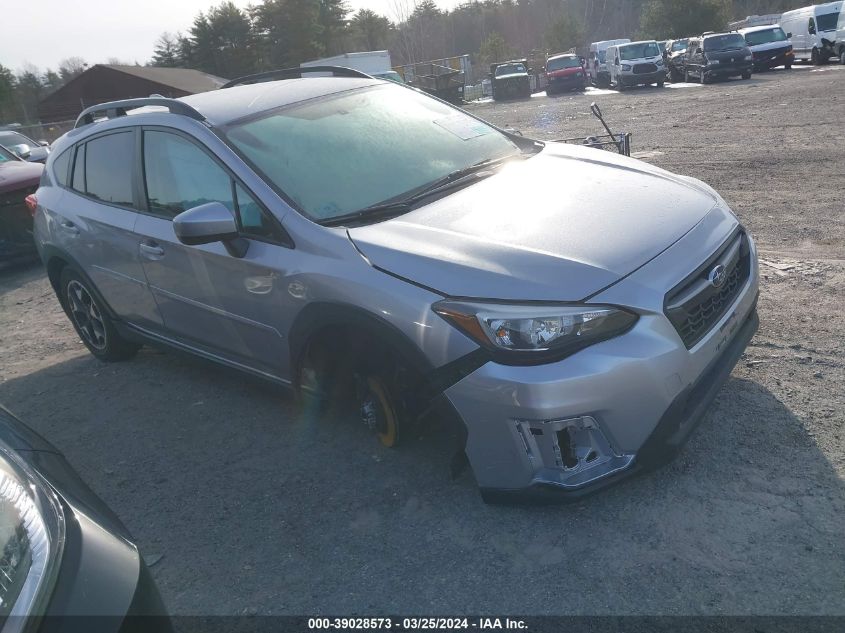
(695, 305)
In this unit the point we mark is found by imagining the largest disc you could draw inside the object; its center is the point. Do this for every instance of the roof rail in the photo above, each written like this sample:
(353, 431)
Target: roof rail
(114, 109)
(295, 73)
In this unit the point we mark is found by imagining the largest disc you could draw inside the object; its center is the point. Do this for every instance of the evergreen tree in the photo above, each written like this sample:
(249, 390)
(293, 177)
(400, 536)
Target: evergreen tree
(166, 53)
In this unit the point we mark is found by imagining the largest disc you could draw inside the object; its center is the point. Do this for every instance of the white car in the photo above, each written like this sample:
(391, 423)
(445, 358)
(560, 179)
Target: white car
(636, 64)
(809, 28)
(597, 62)
(770, 47)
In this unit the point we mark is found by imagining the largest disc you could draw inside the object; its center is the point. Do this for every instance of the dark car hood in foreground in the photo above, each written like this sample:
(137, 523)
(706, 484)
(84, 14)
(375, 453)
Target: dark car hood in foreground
(557, 227)
(17, 174)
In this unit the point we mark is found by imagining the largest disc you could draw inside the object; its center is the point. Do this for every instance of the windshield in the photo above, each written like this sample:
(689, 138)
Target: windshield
(639, 51)
(726, 42)
(559, 63)
(15, 138)
(775, 34)
(349, 151)
(509, 69)
(679, 45)
(827, 22)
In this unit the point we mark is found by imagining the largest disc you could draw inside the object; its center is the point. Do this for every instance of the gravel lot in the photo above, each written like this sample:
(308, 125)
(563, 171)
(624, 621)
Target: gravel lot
(246, 507)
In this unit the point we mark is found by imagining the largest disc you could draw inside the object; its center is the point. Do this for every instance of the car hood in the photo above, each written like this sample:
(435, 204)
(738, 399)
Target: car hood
(559, 226)
(17, 174)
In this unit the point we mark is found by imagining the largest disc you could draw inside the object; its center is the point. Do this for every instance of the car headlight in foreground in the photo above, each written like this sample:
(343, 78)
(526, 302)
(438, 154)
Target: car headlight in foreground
(535, 333)
(67, 563)
(31, 536)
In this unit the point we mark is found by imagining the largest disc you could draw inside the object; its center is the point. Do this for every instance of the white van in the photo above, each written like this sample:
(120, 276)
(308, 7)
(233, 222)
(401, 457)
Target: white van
(807, 28)
(636, 64)
(839, 45)
(597, 63)
(770, 47)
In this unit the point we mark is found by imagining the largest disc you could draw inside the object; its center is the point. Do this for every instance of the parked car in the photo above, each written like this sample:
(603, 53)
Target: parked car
(812, 30)
(769, 47)
(25, 147)
(564, 72)
(511, 80)
(573, 340)
(597, 69)
(636, 64)
(18, 180)
(65, 553)
(839, 37)
(717, 56)
(673, 58)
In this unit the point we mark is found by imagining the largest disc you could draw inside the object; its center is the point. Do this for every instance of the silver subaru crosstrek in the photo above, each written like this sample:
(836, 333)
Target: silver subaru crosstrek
(344, 235)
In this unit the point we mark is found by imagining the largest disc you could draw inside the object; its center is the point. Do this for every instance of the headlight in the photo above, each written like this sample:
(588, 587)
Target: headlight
(31, 537)
(626, 67)
(748, 58)
(535, 333)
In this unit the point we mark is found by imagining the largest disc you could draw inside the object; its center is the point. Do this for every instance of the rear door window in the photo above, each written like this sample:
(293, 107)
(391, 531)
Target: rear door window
(109, 162)
(78, 182)
(60, 167)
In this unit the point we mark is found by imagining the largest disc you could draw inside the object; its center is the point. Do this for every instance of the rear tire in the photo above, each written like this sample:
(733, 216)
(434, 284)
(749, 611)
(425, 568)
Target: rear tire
(842, 56)
(91, 321)
(815, 58)
(661, 84)
(746, 75)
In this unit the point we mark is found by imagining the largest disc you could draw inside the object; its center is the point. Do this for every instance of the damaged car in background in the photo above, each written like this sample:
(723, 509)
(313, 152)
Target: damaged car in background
(574, 334)
(18, 180)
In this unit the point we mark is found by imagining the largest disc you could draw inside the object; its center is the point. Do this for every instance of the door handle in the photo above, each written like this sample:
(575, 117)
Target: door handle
(151, 250)
(69, 227)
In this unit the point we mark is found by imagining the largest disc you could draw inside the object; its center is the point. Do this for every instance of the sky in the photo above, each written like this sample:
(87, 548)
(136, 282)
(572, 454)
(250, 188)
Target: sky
(44, 32)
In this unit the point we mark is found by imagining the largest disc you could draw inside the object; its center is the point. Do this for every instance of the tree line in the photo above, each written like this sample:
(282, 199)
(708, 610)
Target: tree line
(228, 41)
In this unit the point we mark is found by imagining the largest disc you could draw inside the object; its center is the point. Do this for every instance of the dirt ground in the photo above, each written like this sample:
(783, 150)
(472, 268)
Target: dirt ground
(244, 506)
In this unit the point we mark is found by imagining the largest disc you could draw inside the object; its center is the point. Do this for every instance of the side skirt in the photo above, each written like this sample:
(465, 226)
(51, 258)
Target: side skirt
(144, 336)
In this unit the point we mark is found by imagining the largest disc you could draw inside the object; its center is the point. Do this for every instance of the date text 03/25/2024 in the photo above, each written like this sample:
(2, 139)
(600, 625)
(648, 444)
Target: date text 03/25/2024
(417, 624)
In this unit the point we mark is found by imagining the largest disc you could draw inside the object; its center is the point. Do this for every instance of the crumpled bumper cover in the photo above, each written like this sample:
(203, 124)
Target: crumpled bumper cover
(675, 426)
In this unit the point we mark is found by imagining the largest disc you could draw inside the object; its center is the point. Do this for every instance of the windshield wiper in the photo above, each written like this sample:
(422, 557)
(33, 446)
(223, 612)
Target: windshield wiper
(403, 205)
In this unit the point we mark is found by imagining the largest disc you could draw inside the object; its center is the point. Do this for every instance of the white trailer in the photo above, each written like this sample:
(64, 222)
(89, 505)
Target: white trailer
(375, 63)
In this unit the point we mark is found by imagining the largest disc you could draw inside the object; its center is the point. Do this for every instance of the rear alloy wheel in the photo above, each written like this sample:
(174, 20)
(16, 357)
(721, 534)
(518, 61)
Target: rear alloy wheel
(91, 322)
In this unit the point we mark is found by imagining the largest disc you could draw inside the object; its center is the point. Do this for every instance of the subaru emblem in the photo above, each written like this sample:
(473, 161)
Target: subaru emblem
(717, 276)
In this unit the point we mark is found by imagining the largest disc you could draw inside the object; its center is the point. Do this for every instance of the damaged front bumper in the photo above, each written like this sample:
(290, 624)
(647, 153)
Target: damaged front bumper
(568, 429)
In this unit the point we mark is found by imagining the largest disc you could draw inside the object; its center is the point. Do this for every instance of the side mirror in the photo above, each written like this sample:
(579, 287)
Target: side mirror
(21, 151)
(208, 223)
(789, 35)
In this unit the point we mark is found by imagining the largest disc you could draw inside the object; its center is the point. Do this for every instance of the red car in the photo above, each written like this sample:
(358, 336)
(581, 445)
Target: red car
(18, 180)
(565, 72)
